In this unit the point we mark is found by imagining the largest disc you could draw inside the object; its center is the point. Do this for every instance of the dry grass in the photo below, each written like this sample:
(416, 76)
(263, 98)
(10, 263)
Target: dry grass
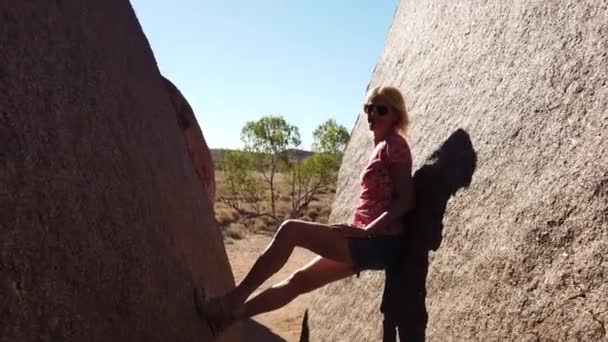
(236, 227)
(234, 231)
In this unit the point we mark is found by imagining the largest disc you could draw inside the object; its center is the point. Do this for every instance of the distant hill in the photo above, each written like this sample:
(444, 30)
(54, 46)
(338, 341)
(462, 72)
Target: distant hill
(217, 154)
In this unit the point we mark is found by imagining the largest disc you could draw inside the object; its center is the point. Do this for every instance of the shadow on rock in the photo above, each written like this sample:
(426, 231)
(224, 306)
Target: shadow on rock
(304, 331)
(449, 169)
(254, 331)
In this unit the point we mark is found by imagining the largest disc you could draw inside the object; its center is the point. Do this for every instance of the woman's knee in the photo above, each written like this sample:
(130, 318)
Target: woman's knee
(300, 282)
(287, 230)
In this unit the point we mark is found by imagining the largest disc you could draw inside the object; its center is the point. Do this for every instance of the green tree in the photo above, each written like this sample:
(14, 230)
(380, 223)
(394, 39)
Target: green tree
(269, 139)
(330, 137)
(242, 191)
(307, 177)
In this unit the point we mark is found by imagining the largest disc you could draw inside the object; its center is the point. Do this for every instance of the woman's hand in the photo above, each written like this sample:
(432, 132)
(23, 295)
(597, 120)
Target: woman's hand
(349, 230)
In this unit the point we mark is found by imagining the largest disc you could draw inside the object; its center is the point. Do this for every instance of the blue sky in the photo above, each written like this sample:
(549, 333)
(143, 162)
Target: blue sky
(236, 61)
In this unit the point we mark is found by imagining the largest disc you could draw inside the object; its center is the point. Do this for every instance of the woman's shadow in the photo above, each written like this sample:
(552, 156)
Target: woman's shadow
(447, 170)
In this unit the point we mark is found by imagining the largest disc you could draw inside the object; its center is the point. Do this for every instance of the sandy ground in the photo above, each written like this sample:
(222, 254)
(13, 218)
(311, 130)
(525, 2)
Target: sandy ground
(285, 322)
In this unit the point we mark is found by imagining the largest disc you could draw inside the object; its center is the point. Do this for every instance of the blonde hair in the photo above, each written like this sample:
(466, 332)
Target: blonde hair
(396, 101)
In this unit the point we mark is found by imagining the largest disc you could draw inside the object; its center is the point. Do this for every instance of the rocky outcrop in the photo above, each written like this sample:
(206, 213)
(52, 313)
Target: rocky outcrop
(521, 250)
(195, 142)
(105, 228)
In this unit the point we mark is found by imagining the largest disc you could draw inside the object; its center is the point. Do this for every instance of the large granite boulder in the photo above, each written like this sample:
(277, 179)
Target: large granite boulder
(521, 248)
(105, 227)
(195, 142)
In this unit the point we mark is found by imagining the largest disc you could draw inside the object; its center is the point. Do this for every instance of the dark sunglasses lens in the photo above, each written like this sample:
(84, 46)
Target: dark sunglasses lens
(377, 110)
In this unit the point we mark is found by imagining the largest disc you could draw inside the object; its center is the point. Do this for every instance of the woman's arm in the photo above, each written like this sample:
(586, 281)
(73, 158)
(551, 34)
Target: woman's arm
(404, 199)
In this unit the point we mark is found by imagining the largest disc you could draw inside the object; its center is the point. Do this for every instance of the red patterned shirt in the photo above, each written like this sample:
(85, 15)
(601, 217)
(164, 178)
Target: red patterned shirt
(377, 190)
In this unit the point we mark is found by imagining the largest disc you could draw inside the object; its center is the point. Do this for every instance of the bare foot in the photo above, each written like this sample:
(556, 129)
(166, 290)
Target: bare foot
(213, 311)
(234, 305)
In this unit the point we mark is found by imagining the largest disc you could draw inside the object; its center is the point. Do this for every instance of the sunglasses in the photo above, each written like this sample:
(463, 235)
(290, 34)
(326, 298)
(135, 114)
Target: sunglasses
(376, 110)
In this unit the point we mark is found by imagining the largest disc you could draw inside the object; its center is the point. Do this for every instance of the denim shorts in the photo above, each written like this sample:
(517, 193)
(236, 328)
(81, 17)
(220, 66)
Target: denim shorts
(375, 252)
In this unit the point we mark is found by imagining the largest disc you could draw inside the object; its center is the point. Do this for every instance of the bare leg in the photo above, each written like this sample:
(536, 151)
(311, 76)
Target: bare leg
(318, 238)
(319, 272)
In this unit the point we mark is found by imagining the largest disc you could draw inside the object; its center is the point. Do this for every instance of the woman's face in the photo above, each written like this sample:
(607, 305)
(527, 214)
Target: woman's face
(380, 115)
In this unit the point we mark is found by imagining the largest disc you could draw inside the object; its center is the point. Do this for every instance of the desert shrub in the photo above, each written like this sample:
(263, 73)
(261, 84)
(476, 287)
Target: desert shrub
(312, 214)
(235, 231)
(225, 216)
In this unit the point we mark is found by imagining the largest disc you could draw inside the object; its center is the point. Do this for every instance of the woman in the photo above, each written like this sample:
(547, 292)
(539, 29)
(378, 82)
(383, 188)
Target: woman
(370, 242)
